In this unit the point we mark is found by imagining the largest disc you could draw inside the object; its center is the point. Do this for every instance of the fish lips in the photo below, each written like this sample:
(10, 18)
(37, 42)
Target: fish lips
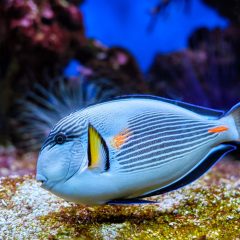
(40, 178)
(45, 184)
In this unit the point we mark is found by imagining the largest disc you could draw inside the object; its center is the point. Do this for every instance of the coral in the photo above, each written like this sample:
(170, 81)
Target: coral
(115, 64)
(206, 74)
(49, 34)
(206, 209)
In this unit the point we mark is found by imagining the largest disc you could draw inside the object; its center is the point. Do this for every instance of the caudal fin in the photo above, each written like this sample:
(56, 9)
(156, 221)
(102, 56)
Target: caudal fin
(235, 113)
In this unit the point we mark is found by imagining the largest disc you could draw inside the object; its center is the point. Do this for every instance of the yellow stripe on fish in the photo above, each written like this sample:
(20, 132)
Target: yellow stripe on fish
(94, 147)
(97, 150)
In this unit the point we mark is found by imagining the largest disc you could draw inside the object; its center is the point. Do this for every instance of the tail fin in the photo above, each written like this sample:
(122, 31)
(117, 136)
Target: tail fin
(235, 113)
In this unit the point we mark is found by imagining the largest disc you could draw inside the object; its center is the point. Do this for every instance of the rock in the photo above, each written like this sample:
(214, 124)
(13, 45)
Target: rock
(206, 209)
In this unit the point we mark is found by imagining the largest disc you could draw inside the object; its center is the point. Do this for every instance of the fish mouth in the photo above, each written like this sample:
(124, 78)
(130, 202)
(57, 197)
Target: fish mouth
(45, 183)
(41, 179)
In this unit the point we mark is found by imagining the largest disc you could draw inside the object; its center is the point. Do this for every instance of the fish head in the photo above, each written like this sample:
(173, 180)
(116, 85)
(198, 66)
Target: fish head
(62, 155)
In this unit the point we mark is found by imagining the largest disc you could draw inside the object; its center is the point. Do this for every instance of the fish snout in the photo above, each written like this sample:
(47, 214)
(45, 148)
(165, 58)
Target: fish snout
(40, 178)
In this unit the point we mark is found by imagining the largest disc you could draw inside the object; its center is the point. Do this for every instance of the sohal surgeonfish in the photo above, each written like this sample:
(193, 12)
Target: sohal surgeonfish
(128, 148)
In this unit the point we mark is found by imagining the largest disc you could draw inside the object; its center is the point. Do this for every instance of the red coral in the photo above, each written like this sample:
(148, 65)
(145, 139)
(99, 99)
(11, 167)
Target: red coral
(50, 25)
(37, 39)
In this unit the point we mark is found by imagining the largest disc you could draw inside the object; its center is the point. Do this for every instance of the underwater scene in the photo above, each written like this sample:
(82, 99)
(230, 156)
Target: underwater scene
(120, 119)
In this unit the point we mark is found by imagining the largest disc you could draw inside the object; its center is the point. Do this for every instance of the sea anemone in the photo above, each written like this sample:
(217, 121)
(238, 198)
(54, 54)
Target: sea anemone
(43, 107)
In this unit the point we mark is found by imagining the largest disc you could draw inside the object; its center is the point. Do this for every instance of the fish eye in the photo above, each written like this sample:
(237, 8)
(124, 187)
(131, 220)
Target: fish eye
(60, 138)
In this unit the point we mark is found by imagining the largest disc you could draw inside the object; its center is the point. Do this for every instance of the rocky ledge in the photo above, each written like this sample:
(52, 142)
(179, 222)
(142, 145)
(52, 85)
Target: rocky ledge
(206, 209)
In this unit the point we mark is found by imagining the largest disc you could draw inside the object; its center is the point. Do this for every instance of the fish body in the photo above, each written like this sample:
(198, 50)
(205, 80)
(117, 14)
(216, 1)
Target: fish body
(132, 147)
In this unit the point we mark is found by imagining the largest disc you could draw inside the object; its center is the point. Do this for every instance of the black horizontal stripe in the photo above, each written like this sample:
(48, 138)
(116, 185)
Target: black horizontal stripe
(162, 154)
(156, 119)
(161, 128)
(143, 115)
(144, 168)
(155, 162)
(164, 148)
(148, 117)
(167, 140)
(175, 134)
(170, 127)
(160, 123)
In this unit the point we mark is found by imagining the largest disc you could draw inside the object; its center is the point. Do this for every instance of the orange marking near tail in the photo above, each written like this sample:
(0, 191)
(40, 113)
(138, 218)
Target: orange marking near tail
(218, 129)
(120, 139)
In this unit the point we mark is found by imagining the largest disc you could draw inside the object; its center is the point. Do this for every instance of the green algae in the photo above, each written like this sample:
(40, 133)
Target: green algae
(207, 214)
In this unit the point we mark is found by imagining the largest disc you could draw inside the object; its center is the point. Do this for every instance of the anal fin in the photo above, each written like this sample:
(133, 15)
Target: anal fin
(130, 201)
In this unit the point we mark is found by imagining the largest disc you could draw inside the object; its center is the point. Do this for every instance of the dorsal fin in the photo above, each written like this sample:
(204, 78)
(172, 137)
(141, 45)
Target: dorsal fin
(214, 156)
(194, 108)
(98, 155)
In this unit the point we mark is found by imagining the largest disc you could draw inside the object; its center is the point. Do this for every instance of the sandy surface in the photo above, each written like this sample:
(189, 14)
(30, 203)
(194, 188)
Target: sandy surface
(206, 209)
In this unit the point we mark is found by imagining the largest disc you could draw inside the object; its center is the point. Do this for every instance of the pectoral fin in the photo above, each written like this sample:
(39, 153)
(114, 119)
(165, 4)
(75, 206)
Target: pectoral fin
(98, 155)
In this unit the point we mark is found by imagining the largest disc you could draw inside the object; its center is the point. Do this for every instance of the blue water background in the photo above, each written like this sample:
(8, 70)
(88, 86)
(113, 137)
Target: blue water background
(125, 23)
